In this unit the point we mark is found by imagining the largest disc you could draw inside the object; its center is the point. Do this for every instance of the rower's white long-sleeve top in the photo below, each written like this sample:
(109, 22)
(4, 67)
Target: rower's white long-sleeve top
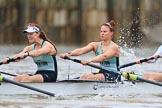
(158, 52)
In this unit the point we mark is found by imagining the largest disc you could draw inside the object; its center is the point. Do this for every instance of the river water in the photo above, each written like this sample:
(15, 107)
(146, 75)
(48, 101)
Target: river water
(69, 69)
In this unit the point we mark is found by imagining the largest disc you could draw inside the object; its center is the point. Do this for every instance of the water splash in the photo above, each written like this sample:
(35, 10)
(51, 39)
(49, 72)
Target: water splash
(134, 33)
(128, 55)
(131, 35)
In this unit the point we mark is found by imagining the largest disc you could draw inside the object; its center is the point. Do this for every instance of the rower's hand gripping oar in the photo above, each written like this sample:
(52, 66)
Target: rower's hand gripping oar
(25, 86)
(10, 60)
(133, 63)
(126, 75)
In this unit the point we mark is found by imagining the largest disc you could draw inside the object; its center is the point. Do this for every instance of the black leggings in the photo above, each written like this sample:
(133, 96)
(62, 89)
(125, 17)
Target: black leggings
(48, 76)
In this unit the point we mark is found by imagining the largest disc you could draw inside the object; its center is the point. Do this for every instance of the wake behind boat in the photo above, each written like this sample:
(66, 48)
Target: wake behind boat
(83, 87)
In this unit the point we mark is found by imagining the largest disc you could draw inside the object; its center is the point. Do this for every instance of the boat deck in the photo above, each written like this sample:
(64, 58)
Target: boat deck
(84, 87)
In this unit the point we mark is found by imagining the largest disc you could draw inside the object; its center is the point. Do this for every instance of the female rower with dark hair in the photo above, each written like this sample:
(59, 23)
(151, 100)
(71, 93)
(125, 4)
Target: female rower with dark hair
(43, 52)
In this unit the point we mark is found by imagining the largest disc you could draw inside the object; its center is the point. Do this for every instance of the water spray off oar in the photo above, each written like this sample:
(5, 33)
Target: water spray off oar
(126, 75)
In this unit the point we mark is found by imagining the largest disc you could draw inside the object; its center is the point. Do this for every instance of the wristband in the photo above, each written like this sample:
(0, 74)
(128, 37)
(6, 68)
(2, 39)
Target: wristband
(27, 53)
(8, 58)
(69, 53)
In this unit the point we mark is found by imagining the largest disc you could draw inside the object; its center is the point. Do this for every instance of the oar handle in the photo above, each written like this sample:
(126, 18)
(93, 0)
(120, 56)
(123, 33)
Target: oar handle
(92, 65)
(133, 63)
(75, 60)
(10, 60)
(146, 59)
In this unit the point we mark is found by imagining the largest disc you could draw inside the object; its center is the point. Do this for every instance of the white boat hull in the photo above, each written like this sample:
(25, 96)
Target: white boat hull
(78, 87)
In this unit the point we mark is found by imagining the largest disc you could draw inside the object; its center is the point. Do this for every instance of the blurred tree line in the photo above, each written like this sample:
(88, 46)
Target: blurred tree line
(78, 21)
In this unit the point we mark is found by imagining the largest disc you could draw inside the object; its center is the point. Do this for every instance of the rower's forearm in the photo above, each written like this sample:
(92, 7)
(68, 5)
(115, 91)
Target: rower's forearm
(97, 59)
(76, 52)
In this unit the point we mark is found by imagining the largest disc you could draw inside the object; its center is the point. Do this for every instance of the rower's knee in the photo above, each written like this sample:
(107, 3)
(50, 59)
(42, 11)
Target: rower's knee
(83, 77)
(27, 79)
(147, 76)
(152, 78)
(17, 79)
(156, 78)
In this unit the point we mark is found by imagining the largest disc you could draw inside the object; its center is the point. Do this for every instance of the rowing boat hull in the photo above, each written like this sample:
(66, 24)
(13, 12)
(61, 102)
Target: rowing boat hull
(80, 87)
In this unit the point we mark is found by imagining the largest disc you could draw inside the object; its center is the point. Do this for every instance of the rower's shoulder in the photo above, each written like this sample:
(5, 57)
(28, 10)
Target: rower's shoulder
(93, 43)
(115, 46)
(28, 48)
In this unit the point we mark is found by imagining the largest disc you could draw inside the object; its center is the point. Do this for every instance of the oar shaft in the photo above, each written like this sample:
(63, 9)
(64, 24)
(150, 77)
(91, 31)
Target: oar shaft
(133, 63)
(7, 73)
(28, 87)
(93, 65)
(149, 81)
(134, 77)
(105, 70)
(126, 65)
